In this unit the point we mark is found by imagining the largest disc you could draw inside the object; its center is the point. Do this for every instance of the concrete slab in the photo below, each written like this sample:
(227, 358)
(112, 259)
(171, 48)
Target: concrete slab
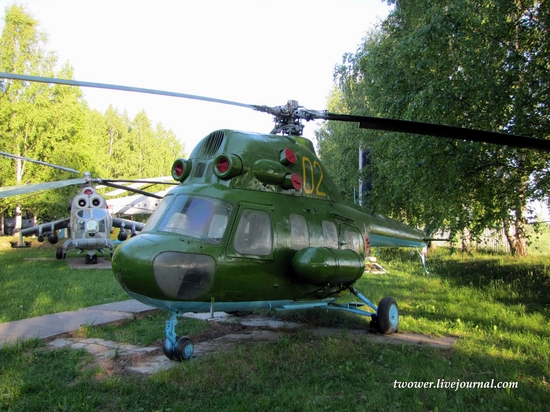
(147, 360)
(414, 339)
(49, 326)
(121, 357)
(79, 263)
(406, 338)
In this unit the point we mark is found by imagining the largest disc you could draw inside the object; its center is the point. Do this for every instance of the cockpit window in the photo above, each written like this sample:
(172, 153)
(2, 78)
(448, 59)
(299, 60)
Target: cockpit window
(157, 214)
(91, 220)
(194, 216)
(92, 214)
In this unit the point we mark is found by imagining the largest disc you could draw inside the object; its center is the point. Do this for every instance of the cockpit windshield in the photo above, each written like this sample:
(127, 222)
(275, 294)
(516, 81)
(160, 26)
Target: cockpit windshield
(91, 220)
(92, 214)
(194, 216)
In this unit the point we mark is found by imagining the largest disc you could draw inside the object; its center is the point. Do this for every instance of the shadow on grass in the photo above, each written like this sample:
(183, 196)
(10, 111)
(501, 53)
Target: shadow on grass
(512, 281)
(299, 373)
(525, 282)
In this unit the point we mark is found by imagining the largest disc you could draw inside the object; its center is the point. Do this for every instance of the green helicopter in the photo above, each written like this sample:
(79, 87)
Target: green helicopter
(256, 222)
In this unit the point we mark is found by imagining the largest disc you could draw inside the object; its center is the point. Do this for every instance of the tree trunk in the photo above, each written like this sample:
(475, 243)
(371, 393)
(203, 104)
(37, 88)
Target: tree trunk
(516, 237)
(466, 241)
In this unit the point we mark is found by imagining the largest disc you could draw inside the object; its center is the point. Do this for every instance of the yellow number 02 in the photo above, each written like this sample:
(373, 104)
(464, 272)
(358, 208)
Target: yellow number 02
(310, 167)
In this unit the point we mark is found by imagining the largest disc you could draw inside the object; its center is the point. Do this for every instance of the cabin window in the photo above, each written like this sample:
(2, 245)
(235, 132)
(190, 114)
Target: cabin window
(351, 239)
(330, 235)
(194, 216)
(298, 232)
(253, 235)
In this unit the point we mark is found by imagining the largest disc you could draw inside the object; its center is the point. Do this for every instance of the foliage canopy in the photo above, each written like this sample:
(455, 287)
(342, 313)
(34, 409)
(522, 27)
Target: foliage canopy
(481, 65)
(54, 124)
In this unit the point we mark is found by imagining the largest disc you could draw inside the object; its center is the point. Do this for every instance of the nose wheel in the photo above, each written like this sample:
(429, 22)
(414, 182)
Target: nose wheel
(90, 259)
(181, 351)
(175, 347)
(59, 254)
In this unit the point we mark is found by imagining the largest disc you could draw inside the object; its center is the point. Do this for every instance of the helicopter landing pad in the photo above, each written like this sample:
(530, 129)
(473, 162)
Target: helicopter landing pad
(225, 334)
(79, 263)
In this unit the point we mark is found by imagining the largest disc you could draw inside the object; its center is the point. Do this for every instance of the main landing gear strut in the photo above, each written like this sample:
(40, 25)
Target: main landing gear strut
(384, 319)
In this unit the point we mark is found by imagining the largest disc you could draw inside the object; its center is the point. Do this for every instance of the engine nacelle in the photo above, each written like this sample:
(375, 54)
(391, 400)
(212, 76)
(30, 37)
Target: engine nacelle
(322, 265)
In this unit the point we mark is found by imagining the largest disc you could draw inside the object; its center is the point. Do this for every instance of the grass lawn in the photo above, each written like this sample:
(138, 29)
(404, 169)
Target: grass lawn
(499, 308)
(30, 287)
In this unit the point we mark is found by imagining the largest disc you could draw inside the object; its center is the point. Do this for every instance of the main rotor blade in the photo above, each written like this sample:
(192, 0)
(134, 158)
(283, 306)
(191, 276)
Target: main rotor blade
(138, 184)
(129, 189)
(22, 190)
(66, 169)
(290, 115)
(430, 129)
(66, 82)
(155, 181)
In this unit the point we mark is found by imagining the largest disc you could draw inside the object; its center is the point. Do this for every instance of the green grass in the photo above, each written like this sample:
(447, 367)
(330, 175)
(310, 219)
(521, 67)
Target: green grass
(497, 306)
(30, 288)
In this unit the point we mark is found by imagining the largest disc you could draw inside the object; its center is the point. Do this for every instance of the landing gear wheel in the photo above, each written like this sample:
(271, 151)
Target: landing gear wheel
(94, 260)
(387, 319)
(87, 259)
(168, 348)
(59, 253)
(184, 349)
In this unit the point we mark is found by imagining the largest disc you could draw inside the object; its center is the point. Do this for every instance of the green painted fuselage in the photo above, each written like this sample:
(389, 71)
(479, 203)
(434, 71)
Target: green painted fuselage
(255, 223)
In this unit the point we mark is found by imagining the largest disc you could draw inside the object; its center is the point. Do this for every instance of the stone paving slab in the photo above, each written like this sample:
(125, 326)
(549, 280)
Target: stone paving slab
(149, 360)
(49, 326)
(80, 263)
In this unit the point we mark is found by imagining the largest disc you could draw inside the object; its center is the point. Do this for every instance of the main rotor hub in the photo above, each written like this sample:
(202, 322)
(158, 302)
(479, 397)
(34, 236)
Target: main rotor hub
(288, 118)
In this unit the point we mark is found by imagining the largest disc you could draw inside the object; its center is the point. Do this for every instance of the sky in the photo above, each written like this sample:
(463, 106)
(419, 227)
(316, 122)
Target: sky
(256, 52)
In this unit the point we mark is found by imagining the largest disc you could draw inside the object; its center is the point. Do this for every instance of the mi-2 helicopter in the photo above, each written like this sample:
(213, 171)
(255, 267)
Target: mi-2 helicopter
(90, 219)
(256, 222)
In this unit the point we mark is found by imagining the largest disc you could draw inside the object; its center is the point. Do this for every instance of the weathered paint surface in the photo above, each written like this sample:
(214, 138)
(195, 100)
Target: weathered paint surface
(277, 179)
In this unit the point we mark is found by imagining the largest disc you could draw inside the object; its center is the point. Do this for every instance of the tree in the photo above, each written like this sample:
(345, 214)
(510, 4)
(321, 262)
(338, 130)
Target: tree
(53, 123)
(35, 119)
(463, 63)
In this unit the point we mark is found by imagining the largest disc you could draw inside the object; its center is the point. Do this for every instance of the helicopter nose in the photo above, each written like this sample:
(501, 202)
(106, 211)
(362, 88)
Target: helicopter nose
(183, 276)
(132, 263)
(147, 266)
